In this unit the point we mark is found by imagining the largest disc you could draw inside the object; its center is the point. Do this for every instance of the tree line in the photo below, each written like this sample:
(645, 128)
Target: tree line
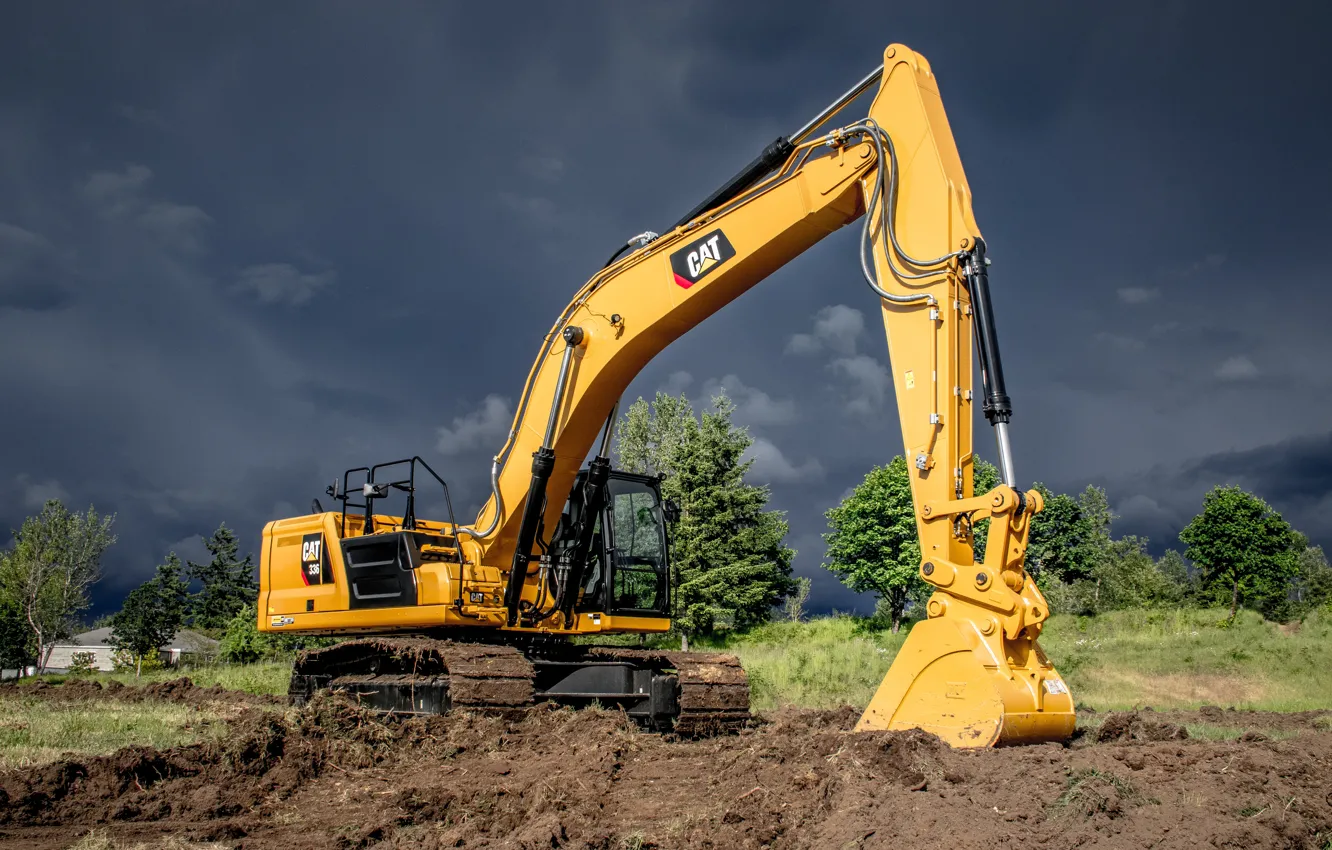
(1237, 552)
(731, 566)
(47, 575)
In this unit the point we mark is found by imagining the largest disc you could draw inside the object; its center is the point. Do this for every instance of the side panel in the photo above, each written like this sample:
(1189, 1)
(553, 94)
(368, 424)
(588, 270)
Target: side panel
(293, 547)
(304, 586)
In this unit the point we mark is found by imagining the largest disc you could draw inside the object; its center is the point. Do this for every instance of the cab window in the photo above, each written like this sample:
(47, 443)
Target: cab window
(638, 553)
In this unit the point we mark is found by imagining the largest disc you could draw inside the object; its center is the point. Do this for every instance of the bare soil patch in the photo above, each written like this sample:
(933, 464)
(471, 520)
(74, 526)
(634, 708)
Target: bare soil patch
(332, 776)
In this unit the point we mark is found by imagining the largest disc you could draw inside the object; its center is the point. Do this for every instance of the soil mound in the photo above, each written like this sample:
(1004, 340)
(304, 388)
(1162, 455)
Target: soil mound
(332, 776)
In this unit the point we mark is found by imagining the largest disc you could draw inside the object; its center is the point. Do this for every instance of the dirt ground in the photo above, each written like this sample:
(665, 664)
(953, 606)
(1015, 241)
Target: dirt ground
(331, 776)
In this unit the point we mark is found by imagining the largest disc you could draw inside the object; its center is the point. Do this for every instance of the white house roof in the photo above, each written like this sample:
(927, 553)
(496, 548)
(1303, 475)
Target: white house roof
(186, 640)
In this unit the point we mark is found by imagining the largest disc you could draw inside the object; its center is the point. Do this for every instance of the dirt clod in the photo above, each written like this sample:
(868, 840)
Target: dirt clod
(1132, 726)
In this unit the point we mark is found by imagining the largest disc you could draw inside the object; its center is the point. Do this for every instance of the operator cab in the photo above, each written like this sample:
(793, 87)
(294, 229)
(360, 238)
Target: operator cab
(627, 570)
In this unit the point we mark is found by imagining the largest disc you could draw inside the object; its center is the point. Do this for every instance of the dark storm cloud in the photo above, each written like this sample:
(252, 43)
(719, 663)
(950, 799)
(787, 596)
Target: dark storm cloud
(30, 273)
(245, 247)
(1293, 476)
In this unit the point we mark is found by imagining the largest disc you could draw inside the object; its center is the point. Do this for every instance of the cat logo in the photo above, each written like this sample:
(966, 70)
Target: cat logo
(315, 568)
(694, 262)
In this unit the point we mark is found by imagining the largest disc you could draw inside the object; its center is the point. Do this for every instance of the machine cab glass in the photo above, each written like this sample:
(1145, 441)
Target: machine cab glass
(628, 570)
(637, 548)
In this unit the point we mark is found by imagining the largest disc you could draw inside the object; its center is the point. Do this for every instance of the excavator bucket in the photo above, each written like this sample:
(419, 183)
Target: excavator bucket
(959, 677)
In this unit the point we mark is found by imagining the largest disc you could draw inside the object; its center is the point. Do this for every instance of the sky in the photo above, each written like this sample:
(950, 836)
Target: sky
(246, 246)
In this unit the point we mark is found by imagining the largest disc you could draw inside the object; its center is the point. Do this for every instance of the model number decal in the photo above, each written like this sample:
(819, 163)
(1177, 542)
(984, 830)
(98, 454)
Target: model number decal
(314, 560)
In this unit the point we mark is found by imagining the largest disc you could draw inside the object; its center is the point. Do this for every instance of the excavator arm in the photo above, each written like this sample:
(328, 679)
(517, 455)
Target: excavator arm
(972, 672)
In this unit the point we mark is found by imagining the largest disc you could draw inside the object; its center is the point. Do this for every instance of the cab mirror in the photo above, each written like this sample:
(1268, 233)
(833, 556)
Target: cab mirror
(672, 511)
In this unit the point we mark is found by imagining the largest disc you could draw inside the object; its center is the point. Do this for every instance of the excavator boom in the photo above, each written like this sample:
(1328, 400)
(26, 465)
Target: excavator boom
(972, 672)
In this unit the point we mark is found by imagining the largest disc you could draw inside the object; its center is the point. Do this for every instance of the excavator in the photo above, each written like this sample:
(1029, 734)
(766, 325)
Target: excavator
(506, 612)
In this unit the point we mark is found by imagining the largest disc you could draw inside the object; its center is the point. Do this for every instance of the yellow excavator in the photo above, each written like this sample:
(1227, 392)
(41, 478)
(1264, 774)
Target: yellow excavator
(443, 616)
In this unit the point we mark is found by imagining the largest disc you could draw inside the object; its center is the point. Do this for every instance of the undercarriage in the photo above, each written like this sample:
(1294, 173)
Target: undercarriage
(688, 693)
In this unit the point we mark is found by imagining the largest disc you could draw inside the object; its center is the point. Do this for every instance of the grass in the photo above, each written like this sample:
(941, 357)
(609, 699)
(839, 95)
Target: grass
(265, 677)
(36, 731)
(1185, 659)
(823, 663)
(97, 839)
(1117, 661)
(1090, 791)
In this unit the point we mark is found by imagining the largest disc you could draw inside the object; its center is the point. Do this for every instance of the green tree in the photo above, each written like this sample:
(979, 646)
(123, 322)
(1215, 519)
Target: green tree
(730, 562)
(1312, 587)
(151, 615)
(877, 544)
(1174, 569)
(243, 643)
(1128, 578)
(228, 582)
(649, 437)
(984, 478)
(794, 607)
(56, 558)
(1056, 549)
(873, 546)
(1095, 520)
(17, 650)
(1242, 545)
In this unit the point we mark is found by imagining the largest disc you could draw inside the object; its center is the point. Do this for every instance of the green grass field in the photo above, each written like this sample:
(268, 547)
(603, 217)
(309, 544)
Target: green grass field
(1120, 660)
(265, 677)
(36, 731)
(1184, 659)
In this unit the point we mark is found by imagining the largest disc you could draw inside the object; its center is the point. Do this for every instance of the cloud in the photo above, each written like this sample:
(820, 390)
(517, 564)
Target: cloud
(803, 344)
(1139, 508)
(37, 493)
(771, 466)
(149, 118)
(31, 274)
(547, 168)
(677, 382)
(1138, 294)
(752, 405)
(484, 426)
(1238, 368)
(869, 381)
(116, 193)
(1294, 476)
(837, 328)
(120, 195)
(281, 283)
(536, 209)
(192, 548)
(176, 225)
(12, 236)
(1209, 262)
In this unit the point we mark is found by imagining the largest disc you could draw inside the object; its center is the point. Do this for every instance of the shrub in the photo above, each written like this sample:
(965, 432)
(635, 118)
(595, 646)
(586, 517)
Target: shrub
(124, 661)
(243, 643)
(82, 663)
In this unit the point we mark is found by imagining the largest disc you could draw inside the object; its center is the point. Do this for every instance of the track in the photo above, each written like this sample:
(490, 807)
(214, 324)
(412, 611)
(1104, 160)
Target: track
(692, 693)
